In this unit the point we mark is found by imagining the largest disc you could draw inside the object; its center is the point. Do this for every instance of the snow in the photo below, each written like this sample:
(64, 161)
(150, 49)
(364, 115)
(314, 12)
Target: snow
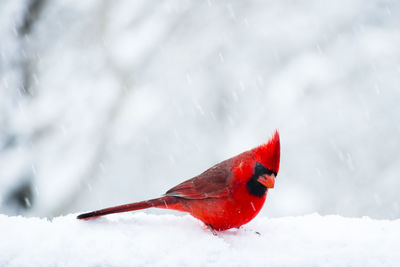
(104, 103)
(127, 99)
(140, 239)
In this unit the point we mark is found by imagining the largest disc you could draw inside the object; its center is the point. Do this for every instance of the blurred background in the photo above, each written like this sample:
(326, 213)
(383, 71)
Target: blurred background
(109, 102)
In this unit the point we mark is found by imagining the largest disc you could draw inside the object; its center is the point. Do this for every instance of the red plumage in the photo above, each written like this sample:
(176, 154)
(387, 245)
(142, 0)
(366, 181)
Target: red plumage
(227, 195)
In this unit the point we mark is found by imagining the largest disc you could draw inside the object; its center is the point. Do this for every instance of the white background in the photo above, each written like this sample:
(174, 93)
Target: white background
(108, 102)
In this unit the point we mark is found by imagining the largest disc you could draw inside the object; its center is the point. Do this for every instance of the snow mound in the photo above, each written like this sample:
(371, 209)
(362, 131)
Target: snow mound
(140, 239)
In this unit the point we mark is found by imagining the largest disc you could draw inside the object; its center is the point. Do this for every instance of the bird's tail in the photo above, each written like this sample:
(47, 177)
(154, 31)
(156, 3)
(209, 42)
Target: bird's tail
(166, 202)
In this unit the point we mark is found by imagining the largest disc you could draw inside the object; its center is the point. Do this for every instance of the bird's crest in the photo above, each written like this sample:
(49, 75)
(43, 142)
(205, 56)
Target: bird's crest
(269, 154)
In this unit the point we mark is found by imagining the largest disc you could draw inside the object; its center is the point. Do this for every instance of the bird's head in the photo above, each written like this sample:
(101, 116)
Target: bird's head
(266, 166)
(268, 154)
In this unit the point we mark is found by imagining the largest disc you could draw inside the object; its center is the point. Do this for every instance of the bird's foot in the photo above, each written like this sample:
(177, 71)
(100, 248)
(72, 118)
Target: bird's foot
(209, 226)
(249, 230)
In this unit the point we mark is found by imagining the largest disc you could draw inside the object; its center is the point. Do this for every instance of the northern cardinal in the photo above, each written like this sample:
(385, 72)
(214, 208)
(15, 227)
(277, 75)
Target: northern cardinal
(227, 195)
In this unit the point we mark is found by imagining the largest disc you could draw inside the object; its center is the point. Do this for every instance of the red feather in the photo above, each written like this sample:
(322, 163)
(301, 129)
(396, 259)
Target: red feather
(211, 183)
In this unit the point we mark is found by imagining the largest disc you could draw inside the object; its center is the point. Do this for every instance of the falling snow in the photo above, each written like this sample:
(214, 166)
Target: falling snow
(104, 103)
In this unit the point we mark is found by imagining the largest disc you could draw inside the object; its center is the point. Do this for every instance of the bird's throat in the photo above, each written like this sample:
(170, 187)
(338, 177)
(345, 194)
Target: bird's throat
(255, 188)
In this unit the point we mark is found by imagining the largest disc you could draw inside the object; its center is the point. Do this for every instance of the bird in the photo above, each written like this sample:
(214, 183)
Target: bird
(227, 195)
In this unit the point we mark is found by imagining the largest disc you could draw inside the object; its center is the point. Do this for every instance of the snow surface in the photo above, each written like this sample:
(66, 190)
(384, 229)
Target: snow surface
(140, 239)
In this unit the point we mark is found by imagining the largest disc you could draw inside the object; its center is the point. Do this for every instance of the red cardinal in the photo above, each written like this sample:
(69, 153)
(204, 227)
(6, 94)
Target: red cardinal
(227, 195)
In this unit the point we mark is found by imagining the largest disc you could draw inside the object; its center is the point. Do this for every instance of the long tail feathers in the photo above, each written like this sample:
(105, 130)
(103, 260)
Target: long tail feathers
(162, 202)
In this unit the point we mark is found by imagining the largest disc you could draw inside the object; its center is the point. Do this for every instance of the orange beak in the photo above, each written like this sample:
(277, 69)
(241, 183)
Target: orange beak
(267, 180)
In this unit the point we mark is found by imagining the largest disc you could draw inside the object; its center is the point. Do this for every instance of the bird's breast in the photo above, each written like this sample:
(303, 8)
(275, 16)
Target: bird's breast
(228, 212)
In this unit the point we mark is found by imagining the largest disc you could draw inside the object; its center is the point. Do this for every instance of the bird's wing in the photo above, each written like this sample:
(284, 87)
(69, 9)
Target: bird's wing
(213, 183)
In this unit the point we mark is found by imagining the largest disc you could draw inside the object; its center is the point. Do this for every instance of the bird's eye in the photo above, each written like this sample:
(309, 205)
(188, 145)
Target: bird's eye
(261, 170)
